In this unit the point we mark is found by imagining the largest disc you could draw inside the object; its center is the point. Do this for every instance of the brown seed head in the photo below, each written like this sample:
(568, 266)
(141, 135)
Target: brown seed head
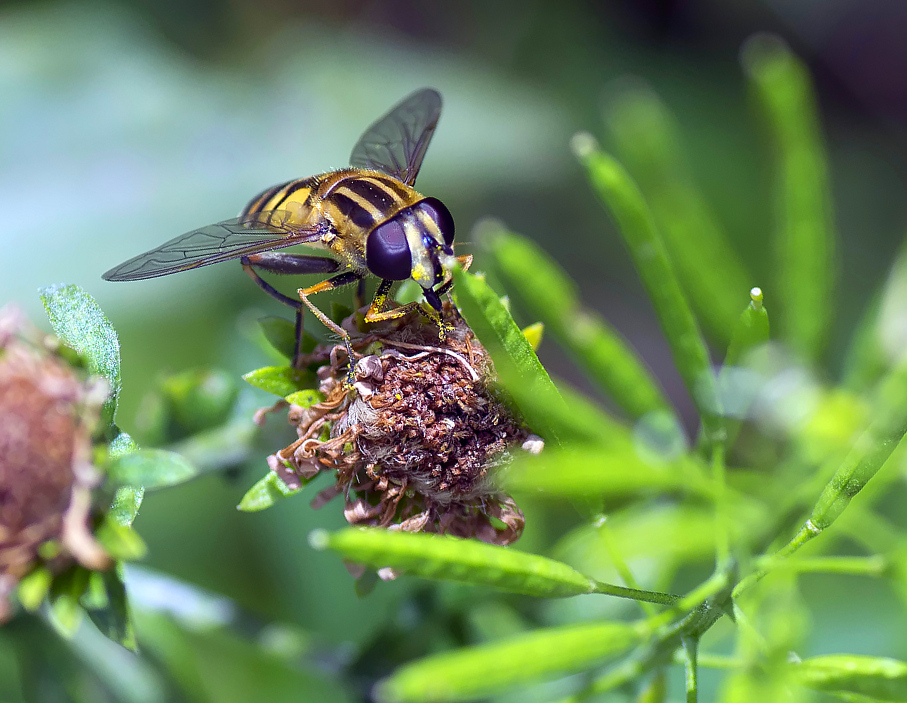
(45, 444)
(413, 441)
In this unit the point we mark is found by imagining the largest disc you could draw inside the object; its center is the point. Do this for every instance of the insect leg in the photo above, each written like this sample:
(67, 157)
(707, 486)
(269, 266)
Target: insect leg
(377, 314)
(283, 263)
(342, 279)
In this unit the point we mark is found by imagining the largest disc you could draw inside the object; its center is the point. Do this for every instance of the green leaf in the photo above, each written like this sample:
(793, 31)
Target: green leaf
(280, 380)
(576, 472)
(476, 672)
(750, 331)
(281, 334)
(805, 236)
(151, 469)
(448, 558)
(519, 369)
(598, 348)
(877, 677)
(120, 541)
(305, 398)
(199, 399)
(114, 620)
(620, 194)
(33, 588)
(79, 323)
(126, 504)
(65, 593)
(711, 272)
(533, 334)
(268, 491)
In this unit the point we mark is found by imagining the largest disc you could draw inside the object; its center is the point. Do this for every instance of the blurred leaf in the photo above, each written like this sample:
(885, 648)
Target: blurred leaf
(114, 621)
(475, 672)
(280, 380)
(712, 274)
(268, 491)
(518, 367)
(750, 330)
(33, 588)
(877, 677)
(805, 238)
(199, 399)
(620, 194)
(448, 558)
(151, 469)
(213, 665)
(65, 593)
(599, 349)
(614, 471)
(281, 334)
(220, 447)
(126, 504)
(120, 541)
(533, 334)
(79, 323)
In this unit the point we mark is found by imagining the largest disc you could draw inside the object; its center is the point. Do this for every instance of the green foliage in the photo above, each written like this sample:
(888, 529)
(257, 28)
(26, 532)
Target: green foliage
(280, 380)
(268, 491)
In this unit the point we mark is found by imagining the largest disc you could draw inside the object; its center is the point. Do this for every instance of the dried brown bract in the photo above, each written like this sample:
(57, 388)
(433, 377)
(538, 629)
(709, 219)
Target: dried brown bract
(47, 413)
(413, 441)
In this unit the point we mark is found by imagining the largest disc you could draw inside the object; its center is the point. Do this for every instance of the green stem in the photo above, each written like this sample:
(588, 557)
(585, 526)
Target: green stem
(722, 536)
(866, 566)
(691, 668)
(611, 589)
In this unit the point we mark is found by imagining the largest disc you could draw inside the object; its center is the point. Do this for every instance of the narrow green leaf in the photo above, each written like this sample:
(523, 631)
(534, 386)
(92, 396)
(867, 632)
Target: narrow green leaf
(476, 672)
(877, 677)
(533, 334)
(615, 471)
(519, 369)
(65, 592)
(646, 135)
(220, 447)
(79, 323)
(280, 380)
(265, 493)
(750, 331)
(452, 559)
(599, 349)
(151, 469)
(621, 195)
(805, 238)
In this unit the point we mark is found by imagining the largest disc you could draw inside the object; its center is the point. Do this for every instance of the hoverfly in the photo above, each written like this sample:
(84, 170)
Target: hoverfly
(368, 216)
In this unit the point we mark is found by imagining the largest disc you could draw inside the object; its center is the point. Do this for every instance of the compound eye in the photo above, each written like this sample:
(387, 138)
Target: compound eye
(438, 212)
(387, 252)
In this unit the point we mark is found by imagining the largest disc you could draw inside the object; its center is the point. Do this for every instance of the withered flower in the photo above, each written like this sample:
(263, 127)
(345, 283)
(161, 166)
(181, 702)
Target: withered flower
(47, 413)
(414, 441)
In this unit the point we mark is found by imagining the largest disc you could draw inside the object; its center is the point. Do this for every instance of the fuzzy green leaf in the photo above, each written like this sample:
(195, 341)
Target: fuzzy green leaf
(305, 398)
(805, 237)
(151, 469)
(518, 367)
(280, 380)
(476, 672)
(114, 620)
(79, 323)
(199, 399)
(265, 493)
(551, 295)
(120, 541)
(452, 559)
(33, 588)
(617, 471)
(881, 678)
(620, 194)
(126, 504)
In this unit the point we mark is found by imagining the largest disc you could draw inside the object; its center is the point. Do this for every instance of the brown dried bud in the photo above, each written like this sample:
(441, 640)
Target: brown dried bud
(413, 440)
(47, 412)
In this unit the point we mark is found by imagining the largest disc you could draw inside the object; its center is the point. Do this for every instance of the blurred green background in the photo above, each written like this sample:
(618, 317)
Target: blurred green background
(124, 124)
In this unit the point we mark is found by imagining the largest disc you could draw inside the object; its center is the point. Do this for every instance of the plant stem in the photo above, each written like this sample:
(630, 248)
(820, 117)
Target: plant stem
(867, 566)
(691, 669)
(611, 589)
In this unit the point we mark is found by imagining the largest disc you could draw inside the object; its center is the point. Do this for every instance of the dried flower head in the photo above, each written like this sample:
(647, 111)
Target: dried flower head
(47, 413)
(413, 441)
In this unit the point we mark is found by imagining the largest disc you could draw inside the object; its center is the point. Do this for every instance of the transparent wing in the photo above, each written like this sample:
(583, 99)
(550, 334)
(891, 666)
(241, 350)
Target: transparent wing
(230, 239)
(396, 143)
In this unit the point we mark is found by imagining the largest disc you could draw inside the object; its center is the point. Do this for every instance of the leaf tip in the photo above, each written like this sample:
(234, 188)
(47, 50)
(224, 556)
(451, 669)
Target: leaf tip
(319, 540)
(756, 297)
(583, 145)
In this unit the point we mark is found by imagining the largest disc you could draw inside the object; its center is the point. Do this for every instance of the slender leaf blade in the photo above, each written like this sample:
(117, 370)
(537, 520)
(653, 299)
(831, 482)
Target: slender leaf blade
(280, 380)
(446, 558)
(476, 672)
(265, 493)
(878, 677)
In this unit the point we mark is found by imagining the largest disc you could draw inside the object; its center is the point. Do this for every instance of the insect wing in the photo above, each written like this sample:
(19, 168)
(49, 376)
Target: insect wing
(396, 143)
(230, 239)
